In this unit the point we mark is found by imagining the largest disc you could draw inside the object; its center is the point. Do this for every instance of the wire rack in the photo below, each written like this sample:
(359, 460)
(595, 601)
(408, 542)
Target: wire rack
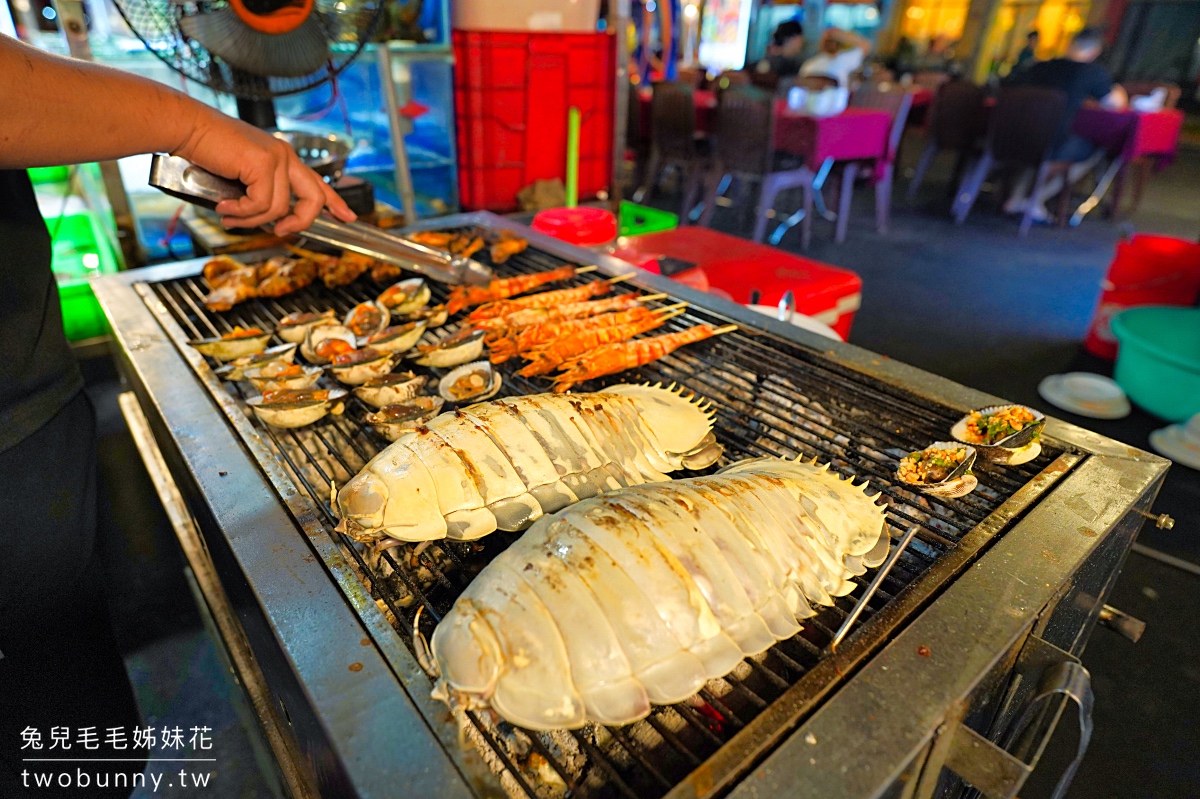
(771, 397)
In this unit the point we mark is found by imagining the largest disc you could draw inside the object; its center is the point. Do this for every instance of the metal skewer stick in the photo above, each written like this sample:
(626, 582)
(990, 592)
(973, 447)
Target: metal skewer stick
(880, 576)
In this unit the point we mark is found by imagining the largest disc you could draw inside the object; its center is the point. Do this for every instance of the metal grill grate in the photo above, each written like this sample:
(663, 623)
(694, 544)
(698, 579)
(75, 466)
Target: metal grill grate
(772, 398)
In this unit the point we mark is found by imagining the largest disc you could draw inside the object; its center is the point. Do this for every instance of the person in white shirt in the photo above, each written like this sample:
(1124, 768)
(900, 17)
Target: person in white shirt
(842, 52)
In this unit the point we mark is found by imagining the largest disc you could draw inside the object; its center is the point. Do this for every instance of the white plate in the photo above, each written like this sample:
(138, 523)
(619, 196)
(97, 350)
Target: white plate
(1085, 394)
(1170, 442)
(799, 320)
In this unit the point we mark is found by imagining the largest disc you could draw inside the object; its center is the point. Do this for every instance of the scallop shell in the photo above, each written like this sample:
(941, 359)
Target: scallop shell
(364, 364)
(228, 349)
(316, 335)
(453, 350)
(1021, 447)
(390, 388)
(295, 331)
(491, 386)
(298, 413)
(265, 383)
(959, 482)
(423, 409)
(235, 370)
(385, 316)
(415, 295)
(434, 316)
(398, 338)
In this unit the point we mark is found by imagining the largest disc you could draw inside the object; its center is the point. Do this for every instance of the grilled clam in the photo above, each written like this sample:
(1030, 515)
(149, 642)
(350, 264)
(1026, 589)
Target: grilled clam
(289, 408)
(1005, 434)
(294, 326)
(393, 420)
(359, 366)
(406, 297)
(390, 388)
(397, 338)
(942, 469)
(237, 343)
(465, 345)
(235, 369)
(471, 382)
(367, 318)
(433, 316)
(323, 342)
(282, 375)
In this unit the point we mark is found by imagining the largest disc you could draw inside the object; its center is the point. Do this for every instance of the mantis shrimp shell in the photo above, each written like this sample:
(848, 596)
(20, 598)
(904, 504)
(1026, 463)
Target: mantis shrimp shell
(642, 595)
(502, 464)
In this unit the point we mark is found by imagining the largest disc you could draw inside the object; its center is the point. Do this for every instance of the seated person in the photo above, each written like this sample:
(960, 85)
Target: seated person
(1082, 80)
(783, 55)
(842, 53)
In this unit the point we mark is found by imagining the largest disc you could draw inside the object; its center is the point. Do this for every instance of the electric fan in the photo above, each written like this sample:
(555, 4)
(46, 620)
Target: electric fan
(254, 49)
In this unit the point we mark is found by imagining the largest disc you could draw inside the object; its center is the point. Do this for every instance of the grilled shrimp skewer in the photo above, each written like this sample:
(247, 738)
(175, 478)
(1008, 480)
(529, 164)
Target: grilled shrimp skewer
(503, 288)
(545, 299)
(642, 595)
(630, 354)
(564, 330)
(527, 317)
(546, 359)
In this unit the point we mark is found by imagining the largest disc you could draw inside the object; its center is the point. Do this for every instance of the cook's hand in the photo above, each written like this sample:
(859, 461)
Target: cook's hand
(271, 171)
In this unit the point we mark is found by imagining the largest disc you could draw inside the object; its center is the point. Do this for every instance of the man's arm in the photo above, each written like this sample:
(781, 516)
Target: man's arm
(64, 111)
(1117, 99)
(850, 39)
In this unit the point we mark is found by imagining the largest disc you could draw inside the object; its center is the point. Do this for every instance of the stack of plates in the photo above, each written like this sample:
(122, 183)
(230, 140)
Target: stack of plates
(1085, 394)
(1179, 442)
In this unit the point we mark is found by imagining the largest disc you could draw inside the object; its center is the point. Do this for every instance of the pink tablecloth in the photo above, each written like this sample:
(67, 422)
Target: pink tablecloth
(1130, 134)
(705, 102)
(855, 134)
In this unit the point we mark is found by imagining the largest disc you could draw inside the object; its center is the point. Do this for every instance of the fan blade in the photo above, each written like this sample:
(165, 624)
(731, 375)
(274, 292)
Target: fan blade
(286, 55)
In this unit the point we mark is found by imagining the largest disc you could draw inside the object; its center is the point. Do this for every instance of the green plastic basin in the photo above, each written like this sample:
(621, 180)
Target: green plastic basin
(1158, 362)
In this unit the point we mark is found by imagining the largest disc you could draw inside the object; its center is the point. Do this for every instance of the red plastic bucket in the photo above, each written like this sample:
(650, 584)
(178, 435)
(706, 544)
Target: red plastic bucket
(583, 226)
(1146, 270)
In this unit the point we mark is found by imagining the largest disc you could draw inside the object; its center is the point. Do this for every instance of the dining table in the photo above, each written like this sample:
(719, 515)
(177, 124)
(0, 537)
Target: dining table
(1127, 136)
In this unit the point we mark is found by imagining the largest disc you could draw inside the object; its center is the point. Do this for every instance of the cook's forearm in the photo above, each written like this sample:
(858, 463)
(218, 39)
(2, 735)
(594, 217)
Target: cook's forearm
(61, 111)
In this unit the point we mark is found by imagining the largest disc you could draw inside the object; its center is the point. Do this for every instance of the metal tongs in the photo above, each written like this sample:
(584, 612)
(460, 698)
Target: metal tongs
(180, 178)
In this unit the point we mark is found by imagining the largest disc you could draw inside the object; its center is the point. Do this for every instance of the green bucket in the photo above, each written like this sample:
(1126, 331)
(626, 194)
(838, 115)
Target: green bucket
(1158, 361)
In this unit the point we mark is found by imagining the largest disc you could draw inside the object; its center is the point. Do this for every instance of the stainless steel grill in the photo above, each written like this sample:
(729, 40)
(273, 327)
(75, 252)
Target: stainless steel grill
(773, 397)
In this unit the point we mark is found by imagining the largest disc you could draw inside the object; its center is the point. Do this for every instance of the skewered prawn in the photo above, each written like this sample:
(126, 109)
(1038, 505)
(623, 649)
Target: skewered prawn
(545, 299)
(630, 355)
(503, 288)
(561, 331)
(548, 358)
(527, 317)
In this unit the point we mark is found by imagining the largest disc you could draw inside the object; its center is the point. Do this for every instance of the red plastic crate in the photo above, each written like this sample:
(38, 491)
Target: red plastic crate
(511, 95)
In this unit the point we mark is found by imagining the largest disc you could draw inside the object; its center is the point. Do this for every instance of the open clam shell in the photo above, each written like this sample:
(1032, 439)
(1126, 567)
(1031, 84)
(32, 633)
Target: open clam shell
(235, 369)
(318, 335)
(471, 382)
(390, 389)
(453, 350)
(406, 297)
(433, 316)
(297, 408)
(958, 482)
(397, 338)
(266, 379)
(294, 327)
(393, 420)
(232, 345)
(367, 318)
(356, 368)
(1020, 447)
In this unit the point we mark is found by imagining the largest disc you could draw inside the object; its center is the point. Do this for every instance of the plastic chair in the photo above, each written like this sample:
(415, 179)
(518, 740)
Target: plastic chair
(1025, 123)
(742, 143)
(958, 121)
(673, 141)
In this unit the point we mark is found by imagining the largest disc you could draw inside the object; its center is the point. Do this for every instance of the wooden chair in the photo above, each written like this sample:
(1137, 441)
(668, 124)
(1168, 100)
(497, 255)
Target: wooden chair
(958, 121)
(673, 140)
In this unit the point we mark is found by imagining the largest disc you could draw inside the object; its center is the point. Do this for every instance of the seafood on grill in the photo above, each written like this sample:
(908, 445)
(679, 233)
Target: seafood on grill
(392, 421)
(562, 331)
(397, 338)
(461, 347)
(390, 389)
(463, 244)
(358, 366)
(505, 287)
(471, 382)
(237, 343)
(384, 272)
(278, 375)
(235, 369)
(506, 245)
(292, 408)
(229, 282)
(406, 297)
(548, 358)
(942, 469)
(432, 315)
(614, 358)
(502, 464)
(367, 318)
(507, 324)
(1004, 434)
(293, 326)
(545, 299)
(323, 342)
(280, 276)
(642, 595)
(336, 270)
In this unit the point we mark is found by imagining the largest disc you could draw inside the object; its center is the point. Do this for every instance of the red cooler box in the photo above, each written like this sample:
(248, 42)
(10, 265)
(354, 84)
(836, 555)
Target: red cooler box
(735, 268)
